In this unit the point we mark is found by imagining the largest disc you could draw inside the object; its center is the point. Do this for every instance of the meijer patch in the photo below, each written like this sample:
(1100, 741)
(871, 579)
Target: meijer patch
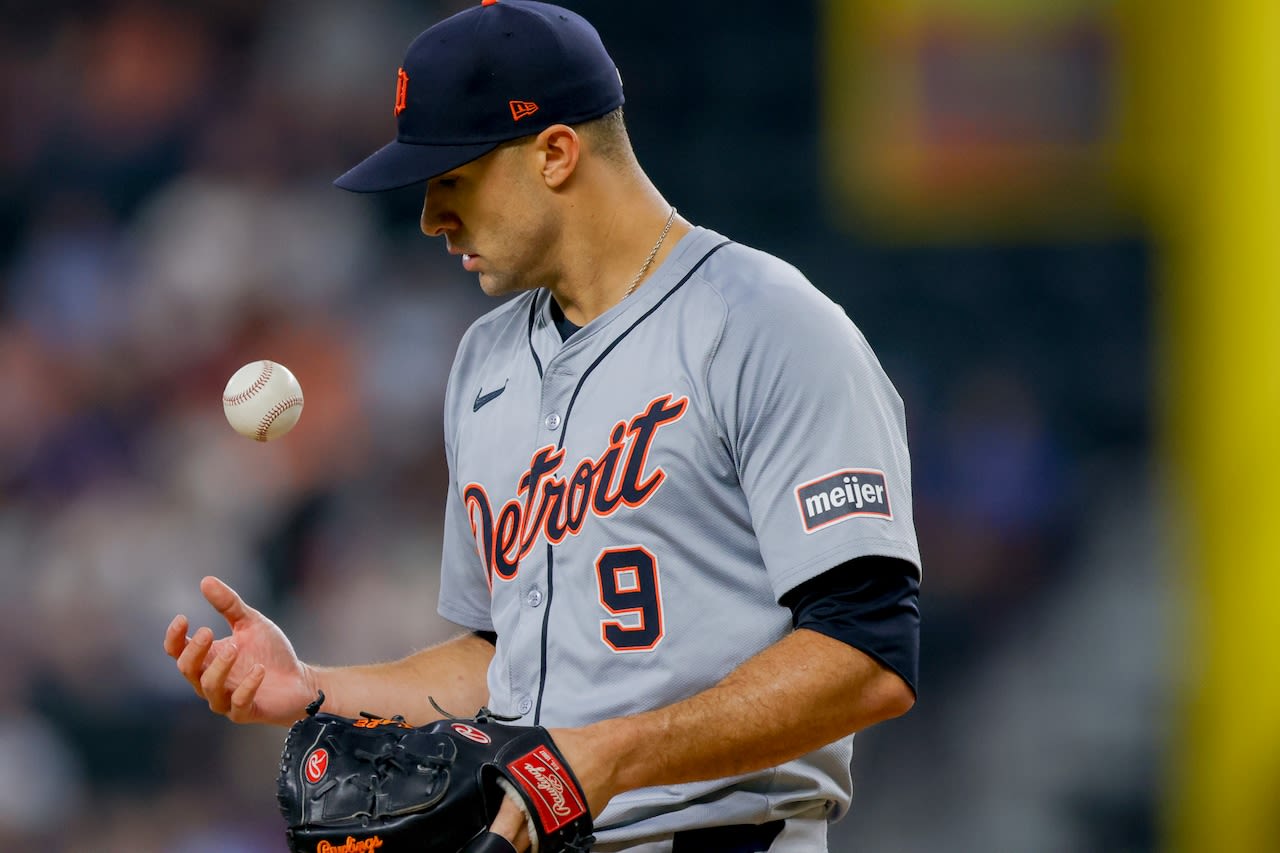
(843, 494)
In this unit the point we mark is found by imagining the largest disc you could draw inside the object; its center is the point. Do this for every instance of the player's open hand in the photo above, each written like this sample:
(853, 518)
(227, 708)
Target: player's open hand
(252, 676)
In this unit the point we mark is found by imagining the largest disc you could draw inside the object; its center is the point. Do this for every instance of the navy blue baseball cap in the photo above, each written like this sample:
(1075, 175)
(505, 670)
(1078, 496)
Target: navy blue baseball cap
(498, 71)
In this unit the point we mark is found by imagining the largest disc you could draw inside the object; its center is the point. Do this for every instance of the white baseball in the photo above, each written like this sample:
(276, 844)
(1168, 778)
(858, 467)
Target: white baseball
(262, 400)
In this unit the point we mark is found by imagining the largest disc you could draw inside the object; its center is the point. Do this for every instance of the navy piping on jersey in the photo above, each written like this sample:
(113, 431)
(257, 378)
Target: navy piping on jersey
(546, 627)
(564, 426)
(533, 313)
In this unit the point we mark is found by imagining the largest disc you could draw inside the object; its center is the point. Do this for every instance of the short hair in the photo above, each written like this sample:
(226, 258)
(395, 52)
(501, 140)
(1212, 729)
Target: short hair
(607, 137)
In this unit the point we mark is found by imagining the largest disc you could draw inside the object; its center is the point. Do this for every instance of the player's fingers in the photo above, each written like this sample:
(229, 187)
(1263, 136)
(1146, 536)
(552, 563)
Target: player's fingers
(175, 637)
(224, 599)
(191, 660)
(512, 824)
(214, 680)
(243, 696)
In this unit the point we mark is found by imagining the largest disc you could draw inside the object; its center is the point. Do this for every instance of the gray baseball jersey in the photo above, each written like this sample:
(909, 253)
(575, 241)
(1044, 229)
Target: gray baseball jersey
(627, 506)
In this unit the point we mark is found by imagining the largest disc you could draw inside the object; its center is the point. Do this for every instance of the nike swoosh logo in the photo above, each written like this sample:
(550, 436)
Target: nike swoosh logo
(482, 399)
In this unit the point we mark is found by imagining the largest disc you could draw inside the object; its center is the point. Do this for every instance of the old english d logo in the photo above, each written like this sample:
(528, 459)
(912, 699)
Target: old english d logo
(520, 109)
(402, 91)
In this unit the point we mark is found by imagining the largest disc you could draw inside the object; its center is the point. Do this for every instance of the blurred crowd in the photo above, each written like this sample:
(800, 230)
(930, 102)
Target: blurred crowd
(166, 216)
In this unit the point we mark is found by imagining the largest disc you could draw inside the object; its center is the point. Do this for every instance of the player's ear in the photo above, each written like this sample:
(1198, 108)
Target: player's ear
(559, 148)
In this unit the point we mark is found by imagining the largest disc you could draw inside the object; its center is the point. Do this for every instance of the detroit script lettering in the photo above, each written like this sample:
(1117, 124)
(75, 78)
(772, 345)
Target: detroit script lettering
(557, 506)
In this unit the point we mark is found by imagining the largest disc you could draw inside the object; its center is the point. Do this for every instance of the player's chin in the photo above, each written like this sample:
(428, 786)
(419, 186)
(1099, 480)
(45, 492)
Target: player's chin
(491, 285)
(496, 284)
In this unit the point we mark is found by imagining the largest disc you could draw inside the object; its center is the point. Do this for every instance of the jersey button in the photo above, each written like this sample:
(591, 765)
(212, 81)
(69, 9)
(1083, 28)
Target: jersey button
(525, 706)
(552, 421)
(534, 598)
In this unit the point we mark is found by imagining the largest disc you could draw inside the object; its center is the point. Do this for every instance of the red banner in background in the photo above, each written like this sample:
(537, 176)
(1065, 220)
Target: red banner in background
(972, 117)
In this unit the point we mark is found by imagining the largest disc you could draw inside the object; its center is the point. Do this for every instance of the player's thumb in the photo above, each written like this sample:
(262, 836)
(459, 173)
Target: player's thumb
(224, 599)
(513, 822)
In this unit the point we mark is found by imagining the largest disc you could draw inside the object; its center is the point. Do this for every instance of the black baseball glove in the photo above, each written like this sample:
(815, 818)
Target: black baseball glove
(375, 785)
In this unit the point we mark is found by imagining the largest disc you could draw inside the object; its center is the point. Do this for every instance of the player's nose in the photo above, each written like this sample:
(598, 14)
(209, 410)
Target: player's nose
(435, 220)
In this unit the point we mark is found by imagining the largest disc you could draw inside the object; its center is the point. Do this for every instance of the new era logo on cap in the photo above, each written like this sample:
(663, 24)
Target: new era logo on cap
(520, 109)
(843, 494)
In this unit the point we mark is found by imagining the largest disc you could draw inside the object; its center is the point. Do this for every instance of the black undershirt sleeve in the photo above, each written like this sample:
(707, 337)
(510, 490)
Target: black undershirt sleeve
(490, 637)
(870, 603)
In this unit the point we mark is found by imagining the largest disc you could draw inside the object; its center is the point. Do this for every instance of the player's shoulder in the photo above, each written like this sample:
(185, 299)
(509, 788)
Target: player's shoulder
(741, 264)
(758, 289)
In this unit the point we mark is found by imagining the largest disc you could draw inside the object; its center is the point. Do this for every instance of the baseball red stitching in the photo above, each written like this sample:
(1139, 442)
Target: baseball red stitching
(274, 412)
(257, 386)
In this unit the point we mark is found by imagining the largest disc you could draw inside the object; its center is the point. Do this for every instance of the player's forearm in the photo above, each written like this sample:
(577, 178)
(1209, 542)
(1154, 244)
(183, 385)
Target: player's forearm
(796, 696)
(452, 673)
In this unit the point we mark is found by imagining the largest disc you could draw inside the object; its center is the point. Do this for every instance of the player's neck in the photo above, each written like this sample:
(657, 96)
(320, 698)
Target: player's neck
(604, 252)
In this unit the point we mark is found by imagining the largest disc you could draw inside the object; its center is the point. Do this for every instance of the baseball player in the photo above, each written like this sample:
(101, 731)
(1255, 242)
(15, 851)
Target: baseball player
(679, 526)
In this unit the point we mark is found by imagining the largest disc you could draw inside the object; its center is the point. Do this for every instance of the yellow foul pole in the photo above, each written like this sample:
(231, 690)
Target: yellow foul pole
(1208, 94)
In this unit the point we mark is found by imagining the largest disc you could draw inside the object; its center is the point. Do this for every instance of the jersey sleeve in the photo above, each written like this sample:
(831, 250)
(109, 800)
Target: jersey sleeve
(464, 590)
(816, 429)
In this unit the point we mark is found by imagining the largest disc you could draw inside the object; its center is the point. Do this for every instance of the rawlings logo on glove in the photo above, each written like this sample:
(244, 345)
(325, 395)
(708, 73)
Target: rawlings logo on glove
(549, 785)
(352, 846)
(375, 784)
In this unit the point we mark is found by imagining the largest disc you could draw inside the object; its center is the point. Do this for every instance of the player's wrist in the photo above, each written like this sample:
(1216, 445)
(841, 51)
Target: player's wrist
(589, 752)
(312, 687)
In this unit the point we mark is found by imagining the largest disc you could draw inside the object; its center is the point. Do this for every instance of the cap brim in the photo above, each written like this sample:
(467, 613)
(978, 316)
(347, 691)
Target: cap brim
(402, 164)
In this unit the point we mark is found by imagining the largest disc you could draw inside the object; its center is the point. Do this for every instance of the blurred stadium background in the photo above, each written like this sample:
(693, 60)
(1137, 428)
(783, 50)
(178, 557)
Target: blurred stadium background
(1055, 221)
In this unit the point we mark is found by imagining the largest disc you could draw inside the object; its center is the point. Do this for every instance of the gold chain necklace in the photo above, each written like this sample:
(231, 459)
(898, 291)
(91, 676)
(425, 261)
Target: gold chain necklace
(652, 254)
